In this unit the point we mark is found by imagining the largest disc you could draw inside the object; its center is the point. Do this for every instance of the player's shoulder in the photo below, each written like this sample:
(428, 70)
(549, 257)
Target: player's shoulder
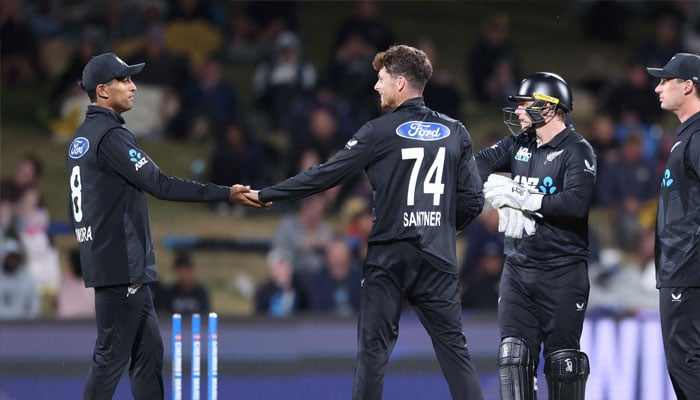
(579, 143)
(447, 120)
(117, 139)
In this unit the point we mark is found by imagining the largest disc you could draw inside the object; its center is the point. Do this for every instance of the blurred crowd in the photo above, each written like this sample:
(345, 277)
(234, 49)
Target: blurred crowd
(301, 114)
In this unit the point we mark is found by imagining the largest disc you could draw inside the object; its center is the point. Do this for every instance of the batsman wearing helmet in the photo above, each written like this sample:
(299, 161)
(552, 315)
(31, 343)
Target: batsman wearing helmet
(543, 206)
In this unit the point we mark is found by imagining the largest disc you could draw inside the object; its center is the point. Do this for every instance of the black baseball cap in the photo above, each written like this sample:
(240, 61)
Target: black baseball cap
(682, 65)
(104, 68)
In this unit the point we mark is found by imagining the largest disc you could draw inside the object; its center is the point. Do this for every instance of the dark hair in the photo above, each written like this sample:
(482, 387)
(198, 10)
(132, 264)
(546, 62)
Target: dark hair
(92, 94)
(182, 260)
(409, 62)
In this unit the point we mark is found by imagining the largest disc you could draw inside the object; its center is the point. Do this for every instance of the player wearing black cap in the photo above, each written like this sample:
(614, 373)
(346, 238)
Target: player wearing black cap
(109, 175)
(426, 187)
(677, 250)
(543, 210)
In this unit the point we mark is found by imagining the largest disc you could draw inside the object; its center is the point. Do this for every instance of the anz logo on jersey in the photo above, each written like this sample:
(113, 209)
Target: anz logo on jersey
(424, 131)
(136, 158)
(547, 186)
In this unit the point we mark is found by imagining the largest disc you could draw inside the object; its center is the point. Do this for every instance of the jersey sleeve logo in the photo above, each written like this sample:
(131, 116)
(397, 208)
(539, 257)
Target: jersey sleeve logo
(423, 131)
(78, 147)
(589, 167)
(351, 143)
(137, 158)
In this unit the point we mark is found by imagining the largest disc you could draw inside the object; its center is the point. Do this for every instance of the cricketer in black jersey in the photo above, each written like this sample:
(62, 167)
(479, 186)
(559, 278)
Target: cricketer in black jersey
(677, 246)
(426, 188)
(422, 172)
(543, 291)
(564, 170)
(108, 178)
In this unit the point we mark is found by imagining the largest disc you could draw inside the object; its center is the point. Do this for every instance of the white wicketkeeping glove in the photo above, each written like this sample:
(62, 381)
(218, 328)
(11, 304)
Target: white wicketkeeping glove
(505, 192)
(513, 223)
(529, 226)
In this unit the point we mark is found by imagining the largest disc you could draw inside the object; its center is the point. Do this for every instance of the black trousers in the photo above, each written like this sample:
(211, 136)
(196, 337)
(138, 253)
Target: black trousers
(543, 306)
(393, 273)
(680, 329)
(127, 334)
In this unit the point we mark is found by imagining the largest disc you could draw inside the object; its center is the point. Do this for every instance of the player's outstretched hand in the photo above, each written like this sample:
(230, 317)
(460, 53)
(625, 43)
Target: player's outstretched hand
(243, 195)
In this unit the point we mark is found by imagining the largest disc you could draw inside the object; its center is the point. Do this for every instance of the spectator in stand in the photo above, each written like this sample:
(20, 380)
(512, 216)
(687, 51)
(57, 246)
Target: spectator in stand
(208, 103)
(479, 235)
(191, 29)
(493, 62)
(666, 41)
(281, 295)
(634, 95)
(283, 79)
(351, 76)
(237, 157)
(74, 300)
(29, 220)
(336, 287)
(440, 91)
(630, 123)
(627, 287)
(18, 53)
(45, 18)
(186, 295)
(480, 286)
(482, 262)
(66, 84)
(625, 188)
(323, 114)
(357, 212)
(323, 96)
(190, 10)
(269, 19)
(305, 235)
(161, 87)
(165, 68)
(603, 140)
(691, 26)
(366, 22)
(604, 20)
(19, 298)
(319, 133)
(27, 175)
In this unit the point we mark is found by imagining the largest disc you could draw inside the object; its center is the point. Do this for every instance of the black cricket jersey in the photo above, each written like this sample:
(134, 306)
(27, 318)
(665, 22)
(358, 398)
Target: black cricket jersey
(422, 170)
(564, 169)
(677, 247)
(109, 175)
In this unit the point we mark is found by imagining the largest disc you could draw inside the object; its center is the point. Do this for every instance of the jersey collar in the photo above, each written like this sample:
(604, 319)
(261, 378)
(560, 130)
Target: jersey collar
(560, 137)
(688, 122)
(93, 110)
(414, 102)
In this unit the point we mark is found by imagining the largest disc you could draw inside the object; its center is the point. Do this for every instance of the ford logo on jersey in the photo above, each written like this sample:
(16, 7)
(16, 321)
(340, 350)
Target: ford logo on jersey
(78, 147)
(426, 131)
